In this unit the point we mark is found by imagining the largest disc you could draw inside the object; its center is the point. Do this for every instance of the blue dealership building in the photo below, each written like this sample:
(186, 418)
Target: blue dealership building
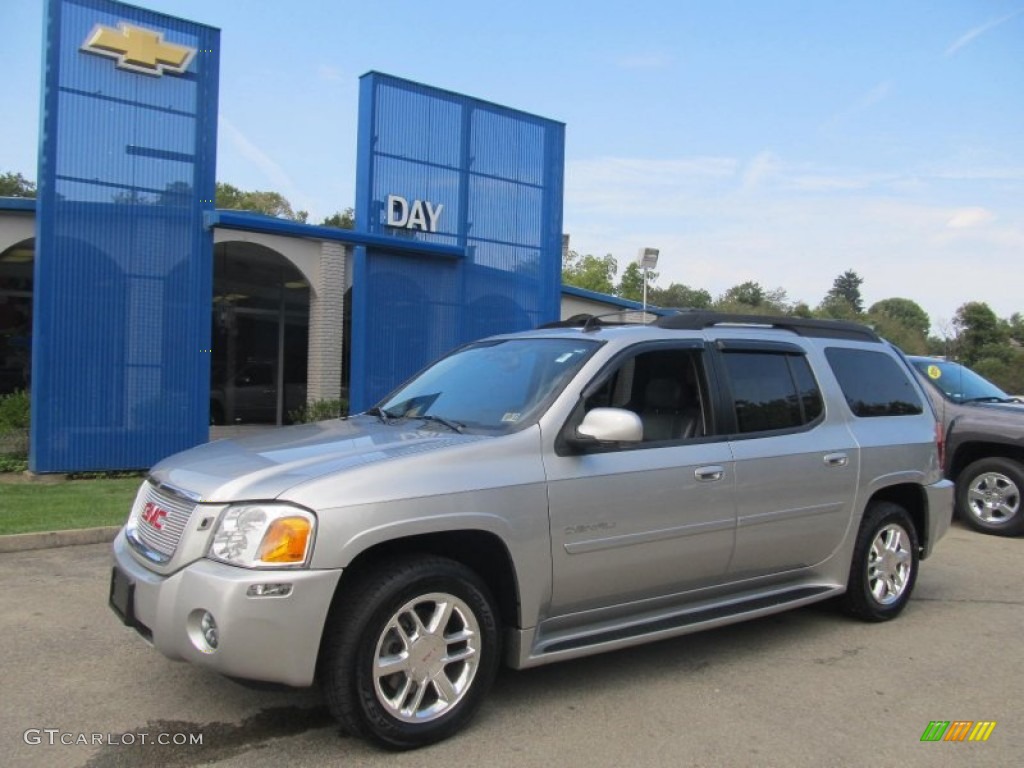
(137, 313)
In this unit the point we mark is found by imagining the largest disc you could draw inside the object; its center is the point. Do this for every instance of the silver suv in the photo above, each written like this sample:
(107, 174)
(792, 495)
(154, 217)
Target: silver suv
(541, 496)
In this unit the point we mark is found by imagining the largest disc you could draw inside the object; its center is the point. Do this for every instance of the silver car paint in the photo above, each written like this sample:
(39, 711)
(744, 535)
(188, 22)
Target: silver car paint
(596, 540)
(271, 638)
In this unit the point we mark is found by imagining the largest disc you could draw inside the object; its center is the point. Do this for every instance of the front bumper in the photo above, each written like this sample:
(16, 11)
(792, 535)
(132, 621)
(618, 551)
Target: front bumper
(271, 639)
(940, 514)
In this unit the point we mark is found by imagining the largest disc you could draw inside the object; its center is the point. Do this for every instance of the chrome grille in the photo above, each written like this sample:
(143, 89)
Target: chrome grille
(160, 533)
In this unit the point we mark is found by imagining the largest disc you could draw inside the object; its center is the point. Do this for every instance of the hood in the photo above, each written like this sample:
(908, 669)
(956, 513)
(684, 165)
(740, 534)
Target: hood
(1015, 408)
(265, 466)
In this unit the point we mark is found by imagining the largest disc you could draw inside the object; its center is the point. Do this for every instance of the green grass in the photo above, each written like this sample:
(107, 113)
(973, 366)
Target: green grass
(30, 507)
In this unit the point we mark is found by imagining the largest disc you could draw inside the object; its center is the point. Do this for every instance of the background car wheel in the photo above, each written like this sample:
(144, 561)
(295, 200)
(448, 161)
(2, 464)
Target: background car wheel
(410, 651)
(884, 566)
(988, 496)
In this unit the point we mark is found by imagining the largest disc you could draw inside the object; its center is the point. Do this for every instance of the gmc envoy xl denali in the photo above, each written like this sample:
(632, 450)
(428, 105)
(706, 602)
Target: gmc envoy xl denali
(540, 496)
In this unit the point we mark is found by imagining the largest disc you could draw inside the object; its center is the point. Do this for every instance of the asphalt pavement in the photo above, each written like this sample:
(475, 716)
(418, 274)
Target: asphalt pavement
(805, 688)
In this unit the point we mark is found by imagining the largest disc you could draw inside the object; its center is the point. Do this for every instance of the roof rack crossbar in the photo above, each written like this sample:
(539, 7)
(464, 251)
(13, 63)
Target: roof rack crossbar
(588, 323)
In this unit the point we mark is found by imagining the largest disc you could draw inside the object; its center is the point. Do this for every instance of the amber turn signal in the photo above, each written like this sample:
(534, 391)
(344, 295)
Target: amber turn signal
(285, 541)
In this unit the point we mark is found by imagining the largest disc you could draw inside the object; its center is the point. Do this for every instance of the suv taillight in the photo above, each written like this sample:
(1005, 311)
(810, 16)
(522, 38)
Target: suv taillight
(940, 444)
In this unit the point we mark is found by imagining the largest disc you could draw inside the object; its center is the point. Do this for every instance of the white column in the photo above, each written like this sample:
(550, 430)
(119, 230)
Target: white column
(326, 305)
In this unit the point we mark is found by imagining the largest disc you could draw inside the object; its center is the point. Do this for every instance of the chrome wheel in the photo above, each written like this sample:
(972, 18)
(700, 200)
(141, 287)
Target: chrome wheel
(884, 565)
(992, 497)
(426, 658)
(890, 564)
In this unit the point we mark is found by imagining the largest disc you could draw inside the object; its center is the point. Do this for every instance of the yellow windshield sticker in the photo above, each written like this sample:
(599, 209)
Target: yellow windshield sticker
(934, 372)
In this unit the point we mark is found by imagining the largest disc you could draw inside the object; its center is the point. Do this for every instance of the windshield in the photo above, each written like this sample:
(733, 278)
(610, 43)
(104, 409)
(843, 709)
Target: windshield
(492, 385)
(958, 383)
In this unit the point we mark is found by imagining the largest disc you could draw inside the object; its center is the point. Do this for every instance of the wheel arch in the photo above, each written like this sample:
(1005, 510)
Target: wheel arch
(911, 497)
(483, 552)
(969, 452)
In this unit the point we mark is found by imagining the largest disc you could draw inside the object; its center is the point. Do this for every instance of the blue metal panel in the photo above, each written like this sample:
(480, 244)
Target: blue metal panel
(123, 271)
(498, 173)
(257, 222)
(27, 204)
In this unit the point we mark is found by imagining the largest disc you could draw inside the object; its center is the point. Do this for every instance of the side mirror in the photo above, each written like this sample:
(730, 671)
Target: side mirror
(609, 425)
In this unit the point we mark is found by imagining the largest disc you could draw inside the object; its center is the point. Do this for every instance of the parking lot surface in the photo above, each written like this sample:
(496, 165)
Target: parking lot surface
(806, 688)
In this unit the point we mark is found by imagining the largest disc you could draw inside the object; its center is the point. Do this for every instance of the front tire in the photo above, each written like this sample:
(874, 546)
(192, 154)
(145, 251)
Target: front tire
(410, 651)
(884, 566)
(988, 496)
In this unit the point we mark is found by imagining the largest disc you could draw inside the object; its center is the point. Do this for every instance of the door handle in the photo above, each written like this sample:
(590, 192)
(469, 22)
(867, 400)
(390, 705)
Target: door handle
(709, 474)
(836, 459)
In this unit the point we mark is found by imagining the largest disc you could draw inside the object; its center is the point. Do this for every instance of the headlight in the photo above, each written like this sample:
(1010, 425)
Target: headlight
(264, 536)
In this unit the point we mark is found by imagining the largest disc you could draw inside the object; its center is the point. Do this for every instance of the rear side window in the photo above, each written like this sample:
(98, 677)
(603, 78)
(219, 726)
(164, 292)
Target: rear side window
(873, 383)
(772, 390)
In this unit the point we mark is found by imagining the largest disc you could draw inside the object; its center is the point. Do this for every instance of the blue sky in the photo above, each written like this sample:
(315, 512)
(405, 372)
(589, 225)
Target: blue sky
(782, 142)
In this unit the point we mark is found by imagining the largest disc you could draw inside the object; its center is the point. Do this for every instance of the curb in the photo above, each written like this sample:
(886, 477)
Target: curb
(23, 542)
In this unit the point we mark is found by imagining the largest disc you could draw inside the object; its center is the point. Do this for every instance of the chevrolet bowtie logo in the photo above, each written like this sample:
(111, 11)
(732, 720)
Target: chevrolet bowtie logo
(138, 49)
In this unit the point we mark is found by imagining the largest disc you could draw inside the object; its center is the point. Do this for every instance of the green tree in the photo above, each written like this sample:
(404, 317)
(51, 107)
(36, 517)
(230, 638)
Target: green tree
(752, 297)
(905, 311)
(903, 322)
(680, 296)
(843, 300)
(16, 185)
(750, 294)
(341, 219)
(837, 308)
(801, 309)
(268, 203)
(177, 193)
(1015, 327)
(631, 286)
(1006, 371)
(978, 332)
(910, 340)
(590, 272)
(847, 286)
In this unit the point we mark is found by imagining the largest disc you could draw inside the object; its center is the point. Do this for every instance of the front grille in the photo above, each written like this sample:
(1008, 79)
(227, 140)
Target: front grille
(161, 514)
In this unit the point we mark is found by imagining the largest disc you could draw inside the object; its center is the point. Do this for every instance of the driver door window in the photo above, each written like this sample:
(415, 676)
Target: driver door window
(665, 388)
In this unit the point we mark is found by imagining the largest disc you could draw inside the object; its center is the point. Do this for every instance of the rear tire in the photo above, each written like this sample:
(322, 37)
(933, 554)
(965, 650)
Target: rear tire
(884, 565)
(988, 496)
(410, 651)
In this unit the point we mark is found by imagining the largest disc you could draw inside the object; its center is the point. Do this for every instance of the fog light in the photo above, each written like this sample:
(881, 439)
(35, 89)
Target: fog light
(269, 590)
(208, 627)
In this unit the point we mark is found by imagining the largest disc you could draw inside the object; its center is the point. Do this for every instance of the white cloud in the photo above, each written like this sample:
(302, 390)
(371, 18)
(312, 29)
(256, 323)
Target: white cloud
(806, 225)
(973, 34)
(245, 156)
(760, 169)
(867, 100)
(610, 187)
(241, 143)
(965, 218)
(332, 74)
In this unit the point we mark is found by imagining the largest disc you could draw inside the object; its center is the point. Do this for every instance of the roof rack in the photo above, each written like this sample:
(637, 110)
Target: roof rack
(588, 323)
(826, 329)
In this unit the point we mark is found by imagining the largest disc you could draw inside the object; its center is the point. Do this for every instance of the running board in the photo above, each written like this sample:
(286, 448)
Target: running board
(586, 642)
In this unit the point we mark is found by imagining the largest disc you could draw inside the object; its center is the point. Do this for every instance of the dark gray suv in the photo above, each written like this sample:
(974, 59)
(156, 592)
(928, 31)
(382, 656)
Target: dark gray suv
(984, 444)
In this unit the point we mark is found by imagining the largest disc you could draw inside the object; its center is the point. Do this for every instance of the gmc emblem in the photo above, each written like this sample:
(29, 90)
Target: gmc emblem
(153, 515)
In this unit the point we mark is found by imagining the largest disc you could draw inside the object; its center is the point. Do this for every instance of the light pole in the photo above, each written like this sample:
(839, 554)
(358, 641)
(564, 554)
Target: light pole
(647, 259)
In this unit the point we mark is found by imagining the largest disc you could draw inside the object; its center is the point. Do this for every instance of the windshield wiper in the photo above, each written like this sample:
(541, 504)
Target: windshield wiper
(454, 426)
(989, 399)
(380, 413)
